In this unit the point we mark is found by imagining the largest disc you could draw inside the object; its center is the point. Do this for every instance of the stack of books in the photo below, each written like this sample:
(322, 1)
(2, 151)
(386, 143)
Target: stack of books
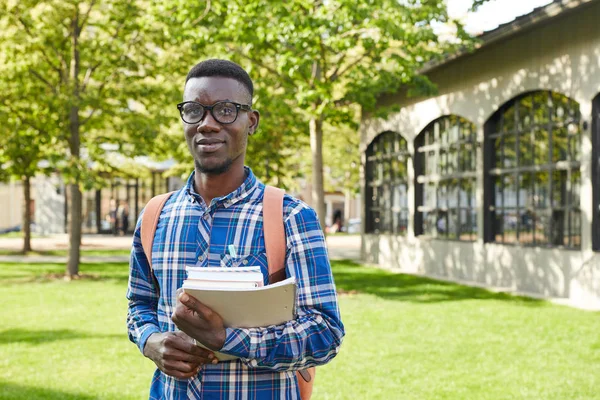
(225, 278)
(239, 297)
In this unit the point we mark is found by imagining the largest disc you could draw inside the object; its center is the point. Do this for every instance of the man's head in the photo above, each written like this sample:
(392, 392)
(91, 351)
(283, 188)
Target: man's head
(223, 69)
(217, 115)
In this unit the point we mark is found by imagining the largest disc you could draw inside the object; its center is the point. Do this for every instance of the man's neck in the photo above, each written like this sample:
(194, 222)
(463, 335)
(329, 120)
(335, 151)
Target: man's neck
(210, 186)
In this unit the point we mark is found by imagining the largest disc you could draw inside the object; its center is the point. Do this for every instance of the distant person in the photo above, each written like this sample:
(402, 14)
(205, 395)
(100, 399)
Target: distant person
(336, 226)
(219, 208)
(123, 217)
(441, 224)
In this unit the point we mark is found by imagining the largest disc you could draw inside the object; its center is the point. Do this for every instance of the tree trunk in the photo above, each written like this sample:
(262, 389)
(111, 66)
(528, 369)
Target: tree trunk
(316, 147)
(74, 231)
(27, 214)
(74, 147)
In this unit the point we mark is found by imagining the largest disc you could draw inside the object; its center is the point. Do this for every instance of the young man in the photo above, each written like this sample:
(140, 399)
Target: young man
(220, 206)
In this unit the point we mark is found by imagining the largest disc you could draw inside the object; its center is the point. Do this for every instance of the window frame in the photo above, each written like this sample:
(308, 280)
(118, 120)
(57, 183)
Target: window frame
(376, 156)
(553, 210)
(442, 179)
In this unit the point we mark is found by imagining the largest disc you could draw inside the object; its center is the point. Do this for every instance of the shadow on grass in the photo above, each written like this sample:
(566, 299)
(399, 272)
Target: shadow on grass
(351, 277)
(13, 391)
(18, 335)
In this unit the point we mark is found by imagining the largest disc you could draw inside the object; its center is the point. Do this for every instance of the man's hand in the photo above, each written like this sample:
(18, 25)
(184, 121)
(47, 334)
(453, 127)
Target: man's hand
(199, 321)
(175, 354)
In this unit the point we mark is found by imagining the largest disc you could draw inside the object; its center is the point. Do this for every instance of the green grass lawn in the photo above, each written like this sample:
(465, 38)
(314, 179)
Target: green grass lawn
(64, 252)
(10, 235)
(407, 338)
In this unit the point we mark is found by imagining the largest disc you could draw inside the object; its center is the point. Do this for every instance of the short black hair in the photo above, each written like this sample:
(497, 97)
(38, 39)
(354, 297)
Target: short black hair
(224, 69)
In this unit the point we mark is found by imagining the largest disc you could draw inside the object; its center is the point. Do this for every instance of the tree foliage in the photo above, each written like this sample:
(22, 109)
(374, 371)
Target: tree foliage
(90, 66)
(80, 75)
(325, 58)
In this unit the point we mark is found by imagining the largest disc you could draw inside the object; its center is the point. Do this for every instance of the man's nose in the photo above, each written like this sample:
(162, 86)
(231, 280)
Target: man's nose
(208, 123)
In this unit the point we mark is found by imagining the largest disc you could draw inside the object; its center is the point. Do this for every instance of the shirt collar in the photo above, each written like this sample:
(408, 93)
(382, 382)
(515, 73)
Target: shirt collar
(246, 188)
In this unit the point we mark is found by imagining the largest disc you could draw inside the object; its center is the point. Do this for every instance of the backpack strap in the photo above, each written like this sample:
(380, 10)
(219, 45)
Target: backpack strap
(274, 233)
(275, 243)
(150, 221)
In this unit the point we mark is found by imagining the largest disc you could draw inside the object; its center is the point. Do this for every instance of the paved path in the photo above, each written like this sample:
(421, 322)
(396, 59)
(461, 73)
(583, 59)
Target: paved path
(340, 248)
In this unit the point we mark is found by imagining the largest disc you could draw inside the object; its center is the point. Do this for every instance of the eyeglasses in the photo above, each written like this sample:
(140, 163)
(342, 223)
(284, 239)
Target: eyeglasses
(224, 112)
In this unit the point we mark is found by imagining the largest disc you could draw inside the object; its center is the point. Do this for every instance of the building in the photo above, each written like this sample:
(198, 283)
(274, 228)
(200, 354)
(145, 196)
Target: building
(342, 206)
(495, 180)
(100, 207)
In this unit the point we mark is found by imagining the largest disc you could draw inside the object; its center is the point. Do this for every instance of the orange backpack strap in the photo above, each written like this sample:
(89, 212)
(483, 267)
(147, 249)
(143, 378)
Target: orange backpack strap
(150, 221)
(274, 232)
(275, 243)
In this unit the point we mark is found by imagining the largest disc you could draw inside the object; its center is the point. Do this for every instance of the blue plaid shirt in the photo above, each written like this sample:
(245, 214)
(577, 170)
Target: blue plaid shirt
(190, 232)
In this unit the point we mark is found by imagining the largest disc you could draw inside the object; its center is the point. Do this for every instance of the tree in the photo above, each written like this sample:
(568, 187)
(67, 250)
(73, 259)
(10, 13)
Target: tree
(331, 59)
(24, 140)
(92, 59)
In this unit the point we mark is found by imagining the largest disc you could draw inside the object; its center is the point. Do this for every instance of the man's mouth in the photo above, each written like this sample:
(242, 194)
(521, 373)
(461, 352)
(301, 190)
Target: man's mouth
(209, 145)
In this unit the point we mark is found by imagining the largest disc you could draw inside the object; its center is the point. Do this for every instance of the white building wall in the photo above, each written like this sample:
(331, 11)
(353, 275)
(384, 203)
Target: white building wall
(49, 196)
(562, 56)
(11, 205)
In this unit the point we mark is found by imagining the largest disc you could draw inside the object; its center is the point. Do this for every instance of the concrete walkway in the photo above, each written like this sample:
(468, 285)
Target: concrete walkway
(340, 248)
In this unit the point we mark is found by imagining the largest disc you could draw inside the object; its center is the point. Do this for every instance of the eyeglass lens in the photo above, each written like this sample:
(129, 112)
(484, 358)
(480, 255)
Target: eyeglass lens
(222, 112)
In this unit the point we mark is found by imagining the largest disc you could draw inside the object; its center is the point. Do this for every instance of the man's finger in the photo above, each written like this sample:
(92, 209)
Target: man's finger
(187, 345)
(201, 352)
(186, 316)
(174, 370)
(193, 304)
(178, 355)
(181, 366)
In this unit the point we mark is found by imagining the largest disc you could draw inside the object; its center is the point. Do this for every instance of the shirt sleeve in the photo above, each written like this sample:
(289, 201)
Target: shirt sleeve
(315, 336)
(142, 319)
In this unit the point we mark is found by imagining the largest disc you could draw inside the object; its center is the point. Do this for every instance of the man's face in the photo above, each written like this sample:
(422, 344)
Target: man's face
(215, 146)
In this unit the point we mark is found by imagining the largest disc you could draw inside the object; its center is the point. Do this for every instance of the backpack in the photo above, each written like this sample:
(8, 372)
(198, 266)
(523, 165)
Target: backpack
(275, 243)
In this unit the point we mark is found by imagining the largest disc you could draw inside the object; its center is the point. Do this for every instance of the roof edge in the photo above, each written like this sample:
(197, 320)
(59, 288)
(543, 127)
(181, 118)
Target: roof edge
(504, 31)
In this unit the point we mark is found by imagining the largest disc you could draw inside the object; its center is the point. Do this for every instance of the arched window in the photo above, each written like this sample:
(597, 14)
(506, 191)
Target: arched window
(445, 155)
(386, 185)
(532, 182)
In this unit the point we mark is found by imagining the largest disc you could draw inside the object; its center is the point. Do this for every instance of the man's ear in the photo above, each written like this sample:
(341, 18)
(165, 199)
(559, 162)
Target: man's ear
(254, 116)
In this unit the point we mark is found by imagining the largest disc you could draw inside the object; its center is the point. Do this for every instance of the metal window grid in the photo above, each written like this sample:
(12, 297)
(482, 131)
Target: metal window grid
(533, 174)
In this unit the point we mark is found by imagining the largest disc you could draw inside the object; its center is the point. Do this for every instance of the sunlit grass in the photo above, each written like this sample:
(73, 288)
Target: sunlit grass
(64, 252)
(407, 338)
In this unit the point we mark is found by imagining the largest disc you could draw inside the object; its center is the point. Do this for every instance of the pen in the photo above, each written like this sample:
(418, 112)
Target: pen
(232, 251)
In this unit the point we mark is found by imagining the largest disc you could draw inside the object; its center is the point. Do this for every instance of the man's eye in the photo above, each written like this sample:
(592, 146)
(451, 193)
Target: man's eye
(226, 110)
(193, 111)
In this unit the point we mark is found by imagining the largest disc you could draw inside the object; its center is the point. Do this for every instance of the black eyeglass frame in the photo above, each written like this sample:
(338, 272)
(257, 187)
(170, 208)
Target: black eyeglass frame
(238, 107)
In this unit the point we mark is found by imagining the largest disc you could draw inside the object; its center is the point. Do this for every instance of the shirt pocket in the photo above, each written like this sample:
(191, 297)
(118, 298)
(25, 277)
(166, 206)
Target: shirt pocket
(250, 260)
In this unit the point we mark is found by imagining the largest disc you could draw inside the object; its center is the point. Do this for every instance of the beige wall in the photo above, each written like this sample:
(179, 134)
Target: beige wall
(554, 273)
(48, 210)
(11, 204)
(562, 56)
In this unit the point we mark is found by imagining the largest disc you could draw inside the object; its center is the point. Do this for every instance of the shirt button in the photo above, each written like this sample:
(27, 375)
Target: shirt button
(201, 258)
(206, 216)
(245, 262)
